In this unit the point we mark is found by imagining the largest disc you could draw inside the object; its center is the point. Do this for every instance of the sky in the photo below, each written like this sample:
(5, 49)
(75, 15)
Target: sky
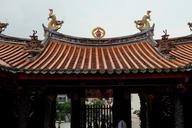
(82, 16)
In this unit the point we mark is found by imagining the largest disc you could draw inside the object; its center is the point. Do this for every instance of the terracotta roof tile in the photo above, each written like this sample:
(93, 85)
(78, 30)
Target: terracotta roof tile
(60, 56)
(129, 59)
(2, 63)
(140, 55)
(183, 53)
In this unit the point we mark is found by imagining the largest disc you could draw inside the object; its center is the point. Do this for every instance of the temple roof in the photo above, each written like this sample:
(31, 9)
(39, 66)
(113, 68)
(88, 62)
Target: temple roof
(67, 54)
(182, 50)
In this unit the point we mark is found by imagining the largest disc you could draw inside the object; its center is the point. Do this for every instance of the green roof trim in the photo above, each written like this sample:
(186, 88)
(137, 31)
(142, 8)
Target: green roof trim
(88, 71)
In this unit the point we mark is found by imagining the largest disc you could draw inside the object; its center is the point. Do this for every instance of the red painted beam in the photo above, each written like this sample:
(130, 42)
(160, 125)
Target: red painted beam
(102, 77)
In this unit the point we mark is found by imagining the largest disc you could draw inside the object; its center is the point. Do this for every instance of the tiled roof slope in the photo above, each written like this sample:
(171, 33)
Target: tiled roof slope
(183, 53)
(11, 50)
(66, 54)
(183, 49)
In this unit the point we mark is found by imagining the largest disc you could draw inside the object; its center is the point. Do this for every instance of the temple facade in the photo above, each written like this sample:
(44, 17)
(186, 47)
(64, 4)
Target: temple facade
(33, 72)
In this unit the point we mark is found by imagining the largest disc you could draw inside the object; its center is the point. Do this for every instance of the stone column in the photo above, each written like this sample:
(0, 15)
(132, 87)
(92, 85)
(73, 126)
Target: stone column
(149, 111)
(23, 107)
(76, 109)
(186, 99)
(143, 115)
(23, 110)
(179, 117)
(37, 113)
(161, 114)
(50, 111)
(7, 109)
(121, 107)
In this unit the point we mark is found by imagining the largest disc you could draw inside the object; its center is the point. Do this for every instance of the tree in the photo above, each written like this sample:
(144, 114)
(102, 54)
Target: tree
(137, 112)
(97, 103)
(63, 110)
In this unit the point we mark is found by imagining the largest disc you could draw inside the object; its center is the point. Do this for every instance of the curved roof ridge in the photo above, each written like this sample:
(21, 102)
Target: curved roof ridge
(179, 40)
(146, 34)
(99, 43)
(14, 39)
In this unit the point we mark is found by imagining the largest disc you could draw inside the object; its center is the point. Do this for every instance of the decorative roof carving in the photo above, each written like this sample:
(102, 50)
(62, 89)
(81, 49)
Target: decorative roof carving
(165, 36)
(98, 32)
(34, 47)
(54, 24)
(179, 40)
(3, 26)
(165, 46)
(190, 25)
(144, 24)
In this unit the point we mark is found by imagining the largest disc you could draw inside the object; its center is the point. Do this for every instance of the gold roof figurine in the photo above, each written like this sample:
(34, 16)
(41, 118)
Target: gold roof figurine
(143, 24)
(53, 23)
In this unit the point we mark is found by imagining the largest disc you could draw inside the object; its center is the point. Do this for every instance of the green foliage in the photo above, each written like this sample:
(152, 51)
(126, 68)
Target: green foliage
(63, 110)
(136, 112)
(98, 103)
(64, 107)
(95, 102)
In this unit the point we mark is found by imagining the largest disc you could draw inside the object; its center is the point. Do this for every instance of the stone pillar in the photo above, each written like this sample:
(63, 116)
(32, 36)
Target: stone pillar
(150, 111)
(179, 117)
(23, 107)
(187, 105)
(161, 114)
(7, 109)
(23, 111)
(76, 109)
(143, 115)
(37, 113)
(50, 111)
(121, 107)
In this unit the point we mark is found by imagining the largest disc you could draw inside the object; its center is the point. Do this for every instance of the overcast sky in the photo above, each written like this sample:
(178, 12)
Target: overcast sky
(81, 16)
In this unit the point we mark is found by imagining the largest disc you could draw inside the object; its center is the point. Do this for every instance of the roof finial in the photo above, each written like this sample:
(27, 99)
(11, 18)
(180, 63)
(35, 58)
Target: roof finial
(165, 45)
(3, 26)
(165, 36)
(98, 32)
(34, 47)
(34, 36)
(144, 24)
(190, 25)
(54, 24)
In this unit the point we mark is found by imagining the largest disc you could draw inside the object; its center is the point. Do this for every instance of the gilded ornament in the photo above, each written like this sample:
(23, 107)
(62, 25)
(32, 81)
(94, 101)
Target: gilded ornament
(98, 32)
(54, 24)
(143, 24)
